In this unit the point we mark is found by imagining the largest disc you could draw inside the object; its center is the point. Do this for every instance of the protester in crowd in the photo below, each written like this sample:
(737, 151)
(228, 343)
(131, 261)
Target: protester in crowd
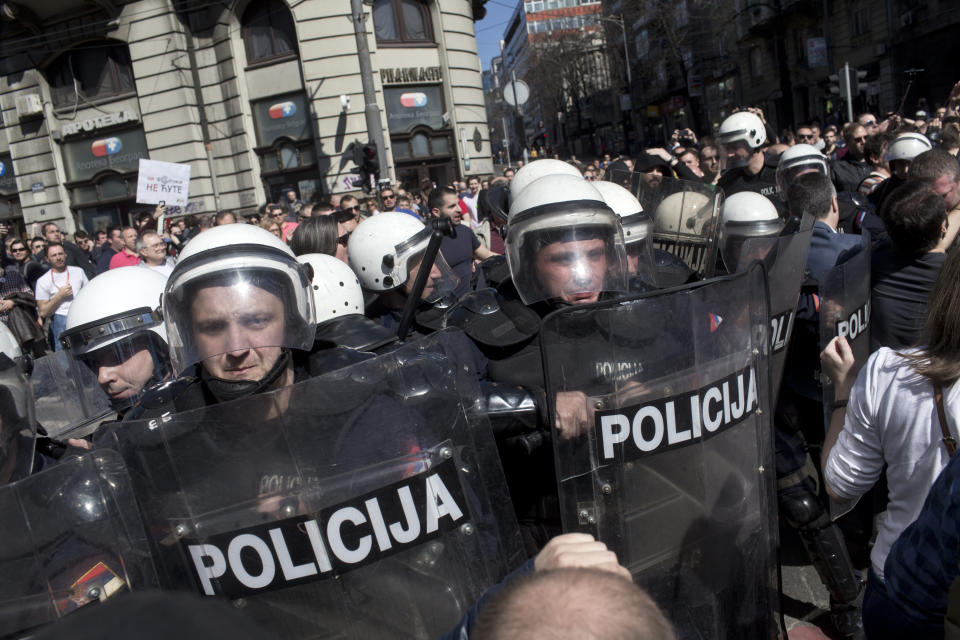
(38, 248)
(273, 226)
(318, 234)
(875, 151)
(691, 159)
(153, 252)
(462, 249)
(55, 289)
(905, 267)
(127, 256)
(710, 164)
(75, 257)
(470, 200)
(849, 171)
(886, 418)
(830, 142)
(388, 200)
(370, 207)
(29, 270)
(114, 246)
(224, 217)
(18, 309)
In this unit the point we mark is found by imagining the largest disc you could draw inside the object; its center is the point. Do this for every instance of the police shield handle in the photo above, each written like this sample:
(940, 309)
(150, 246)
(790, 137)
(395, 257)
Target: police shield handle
(574, 414)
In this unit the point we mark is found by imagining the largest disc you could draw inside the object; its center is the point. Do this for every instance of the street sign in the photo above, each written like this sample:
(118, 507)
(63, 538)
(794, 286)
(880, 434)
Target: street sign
(518, 89)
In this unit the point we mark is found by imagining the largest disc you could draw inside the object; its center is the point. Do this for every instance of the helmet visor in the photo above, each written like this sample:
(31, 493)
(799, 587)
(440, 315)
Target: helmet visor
(442, 281)
(226, 304)
(126, 367)
(787, 172)
(569, 256)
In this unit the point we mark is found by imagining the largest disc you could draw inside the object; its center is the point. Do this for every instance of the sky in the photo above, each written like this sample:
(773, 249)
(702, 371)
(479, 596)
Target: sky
(491, 28)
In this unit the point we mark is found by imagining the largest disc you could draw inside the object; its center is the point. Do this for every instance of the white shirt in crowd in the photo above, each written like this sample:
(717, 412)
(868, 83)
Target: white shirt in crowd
(49, 283)
(891, 419)
(166, 268)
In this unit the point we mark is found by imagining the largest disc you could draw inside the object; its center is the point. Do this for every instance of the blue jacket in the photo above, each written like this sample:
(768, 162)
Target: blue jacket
(827, 247)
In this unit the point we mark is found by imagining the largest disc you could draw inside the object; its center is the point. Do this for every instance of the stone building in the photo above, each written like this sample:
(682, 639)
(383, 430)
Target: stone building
(254, 95)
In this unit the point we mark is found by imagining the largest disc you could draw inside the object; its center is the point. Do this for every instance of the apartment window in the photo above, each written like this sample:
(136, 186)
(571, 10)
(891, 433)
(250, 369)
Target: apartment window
(400, 21)
(756, 61)
(92, 71)
(860, 19)
(267, 29)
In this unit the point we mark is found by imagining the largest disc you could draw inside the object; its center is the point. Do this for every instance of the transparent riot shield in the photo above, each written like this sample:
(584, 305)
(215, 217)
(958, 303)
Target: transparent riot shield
(367, 503)
(845, 311)
(673, 466)
(69, 401)
(785, 258)
(69, 536)
(685, 220)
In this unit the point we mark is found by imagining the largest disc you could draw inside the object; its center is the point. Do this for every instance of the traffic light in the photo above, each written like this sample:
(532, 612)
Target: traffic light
(834, 83)
(860, 84)
(369, 166)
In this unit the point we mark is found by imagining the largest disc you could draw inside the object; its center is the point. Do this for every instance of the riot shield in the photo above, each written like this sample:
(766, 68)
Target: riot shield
(673, 468)
(69, 401)
(366, 503)
(69, 536)
(685, 220)
(845, 311)
(785, 258)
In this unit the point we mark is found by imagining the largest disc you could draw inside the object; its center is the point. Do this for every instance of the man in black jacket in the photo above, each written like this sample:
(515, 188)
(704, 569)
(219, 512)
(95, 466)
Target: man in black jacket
(849, 171)
(75, 255)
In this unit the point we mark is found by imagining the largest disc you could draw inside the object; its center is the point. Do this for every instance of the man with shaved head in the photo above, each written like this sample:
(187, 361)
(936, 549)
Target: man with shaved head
(572, 603)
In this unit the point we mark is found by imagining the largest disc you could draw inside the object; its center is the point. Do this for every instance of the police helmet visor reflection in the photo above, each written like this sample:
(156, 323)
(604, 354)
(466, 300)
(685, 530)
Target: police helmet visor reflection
(234, 300)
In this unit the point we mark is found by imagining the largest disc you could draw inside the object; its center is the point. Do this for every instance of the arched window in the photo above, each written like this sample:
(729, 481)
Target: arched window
(91, 71)
(268, 31)
(400, 21)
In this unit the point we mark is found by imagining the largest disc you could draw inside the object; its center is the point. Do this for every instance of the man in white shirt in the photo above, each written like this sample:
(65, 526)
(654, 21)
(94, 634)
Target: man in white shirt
(470, 199)
(153, 253)
(55, 289)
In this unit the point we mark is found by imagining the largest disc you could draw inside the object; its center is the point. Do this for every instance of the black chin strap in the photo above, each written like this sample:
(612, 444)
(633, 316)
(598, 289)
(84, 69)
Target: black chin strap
(227, 390)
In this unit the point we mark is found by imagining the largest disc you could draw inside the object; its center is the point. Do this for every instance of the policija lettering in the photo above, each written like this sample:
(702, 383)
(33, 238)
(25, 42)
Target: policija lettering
(640, 430)
(341, 538)
(855, 325)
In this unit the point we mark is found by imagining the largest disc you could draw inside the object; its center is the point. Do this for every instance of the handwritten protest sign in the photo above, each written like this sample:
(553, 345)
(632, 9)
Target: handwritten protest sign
(167, 182)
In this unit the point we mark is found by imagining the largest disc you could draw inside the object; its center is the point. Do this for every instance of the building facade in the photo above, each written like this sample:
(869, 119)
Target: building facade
(255, 95)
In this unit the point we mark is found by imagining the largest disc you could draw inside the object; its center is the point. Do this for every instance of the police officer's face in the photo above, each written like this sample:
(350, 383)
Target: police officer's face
(572, 271)
(123, 379)
(428, 288)
(238, 330)
(738, 153)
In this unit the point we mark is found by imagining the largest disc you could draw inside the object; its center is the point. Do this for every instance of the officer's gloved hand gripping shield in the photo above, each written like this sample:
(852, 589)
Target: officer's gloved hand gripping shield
(368, 503)
(70, 536)
(663, 446)
(685, 220)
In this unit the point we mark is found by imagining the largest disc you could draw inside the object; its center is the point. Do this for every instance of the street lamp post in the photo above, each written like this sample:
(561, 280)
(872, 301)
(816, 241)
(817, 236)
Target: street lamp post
(619, 21)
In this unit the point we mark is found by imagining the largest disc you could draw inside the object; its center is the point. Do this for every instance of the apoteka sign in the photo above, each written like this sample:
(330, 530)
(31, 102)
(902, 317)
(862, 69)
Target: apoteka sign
(100, 122)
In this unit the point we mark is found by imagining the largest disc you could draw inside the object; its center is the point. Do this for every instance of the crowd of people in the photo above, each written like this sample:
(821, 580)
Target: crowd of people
(184, 314)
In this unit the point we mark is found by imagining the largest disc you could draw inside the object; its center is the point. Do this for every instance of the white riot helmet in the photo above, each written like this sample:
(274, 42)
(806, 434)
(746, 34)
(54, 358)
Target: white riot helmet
(746, 214)
(336, 288)
(907, 146)
(796, 161)
(682, 213)
(236, 287)
(537, 169)
(384, 250)
(745, 127)
(637, 227)
(565, 243)
(18, 428)
(113, 318)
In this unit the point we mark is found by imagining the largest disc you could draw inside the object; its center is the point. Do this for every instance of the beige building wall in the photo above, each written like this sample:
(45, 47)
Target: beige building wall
(227, 175)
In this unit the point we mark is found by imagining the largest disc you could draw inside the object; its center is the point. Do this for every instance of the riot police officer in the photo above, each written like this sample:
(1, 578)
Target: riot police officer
(564, 247)
(115, 329)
